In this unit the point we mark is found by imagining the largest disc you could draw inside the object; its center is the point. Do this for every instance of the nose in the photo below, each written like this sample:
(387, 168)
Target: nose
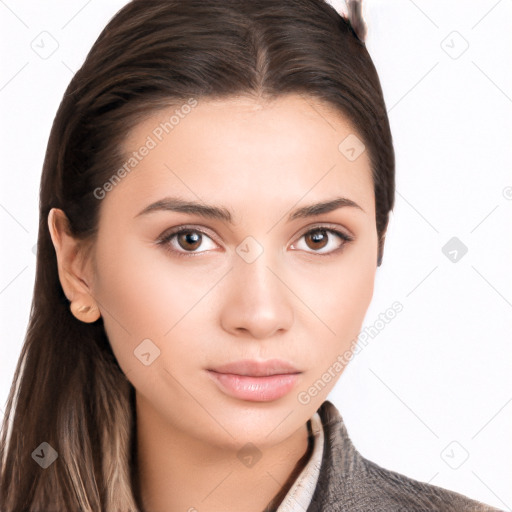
(257, 302)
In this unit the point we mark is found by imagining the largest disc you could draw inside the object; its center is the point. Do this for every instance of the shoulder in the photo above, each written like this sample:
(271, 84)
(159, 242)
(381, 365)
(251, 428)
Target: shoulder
(382, 486)
(349, 481)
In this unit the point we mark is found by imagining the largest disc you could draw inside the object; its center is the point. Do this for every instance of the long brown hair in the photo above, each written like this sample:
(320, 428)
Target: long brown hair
(68, 390)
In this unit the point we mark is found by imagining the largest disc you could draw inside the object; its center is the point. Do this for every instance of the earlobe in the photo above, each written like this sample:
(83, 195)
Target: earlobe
(85, 313)
(69, 264)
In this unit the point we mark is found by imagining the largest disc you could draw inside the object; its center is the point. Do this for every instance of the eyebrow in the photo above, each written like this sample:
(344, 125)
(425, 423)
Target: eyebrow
(220, 213)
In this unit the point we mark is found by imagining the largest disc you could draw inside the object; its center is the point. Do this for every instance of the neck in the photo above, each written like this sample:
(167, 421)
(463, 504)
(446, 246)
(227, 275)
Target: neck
(177, 472)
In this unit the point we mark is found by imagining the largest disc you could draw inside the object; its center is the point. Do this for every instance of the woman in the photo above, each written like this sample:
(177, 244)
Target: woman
(214, 202)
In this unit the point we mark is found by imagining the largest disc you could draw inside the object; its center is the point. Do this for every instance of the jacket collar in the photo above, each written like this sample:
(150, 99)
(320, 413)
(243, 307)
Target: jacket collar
(332, 458)
(340, 460)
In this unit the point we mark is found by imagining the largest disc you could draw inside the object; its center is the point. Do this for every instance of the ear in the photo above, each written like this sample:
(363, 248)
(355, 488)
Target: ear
(73, 267)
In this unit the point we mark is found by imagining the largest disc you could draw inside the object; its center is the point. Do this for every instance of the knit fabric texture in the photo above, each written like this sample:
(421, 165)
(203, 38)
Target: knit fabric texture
(338, 478)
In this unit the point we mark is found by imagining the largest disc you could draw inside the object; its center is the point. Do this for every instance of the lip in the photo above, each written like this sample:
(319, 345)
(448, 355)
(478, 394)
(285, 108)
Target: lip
(253, 368)
(256, 381)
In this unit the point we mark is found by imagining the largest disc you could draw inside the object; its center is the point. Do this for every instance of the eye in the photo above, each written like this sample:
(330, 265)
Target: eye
(184, 241)
(321, 237)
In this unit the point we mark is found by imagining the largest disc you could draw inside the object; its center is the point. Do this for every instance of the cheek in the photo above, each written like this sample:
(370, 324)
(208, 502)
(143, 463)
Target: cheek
(133, 295)
(342, 307)
(144, 295)
(343, 303)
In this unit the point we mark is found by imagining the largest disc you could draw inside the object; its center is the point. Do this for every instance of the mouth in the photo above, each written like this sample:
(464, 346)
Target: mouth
(253, 368)
(256, 381)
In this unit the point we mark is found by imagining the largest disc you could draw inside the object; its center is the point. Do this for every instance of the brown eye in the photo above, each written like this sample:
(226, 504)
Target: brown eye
(189, 240)
(186, 242)
(324, 241)
(317, 239)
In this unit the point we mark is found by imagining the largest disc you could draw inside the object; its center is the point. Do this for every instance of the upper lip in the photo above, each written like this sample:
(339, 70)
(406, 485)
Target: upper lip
(253, 368)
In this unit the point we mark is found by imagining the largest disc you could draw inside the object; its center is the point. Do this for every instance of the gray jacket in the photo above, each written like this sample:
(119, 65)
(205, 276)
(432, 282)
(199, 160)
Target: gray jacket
(350, 482)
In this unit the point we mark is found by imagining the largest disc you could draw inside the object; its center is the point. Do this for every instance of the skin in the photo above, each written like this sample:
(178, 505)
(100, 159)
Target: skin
(297, 301)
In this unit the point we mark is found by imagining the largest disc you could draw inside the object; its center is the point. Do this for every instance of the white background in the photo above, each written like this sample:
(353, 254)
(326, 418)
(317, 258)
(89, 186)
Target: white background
(434, 385)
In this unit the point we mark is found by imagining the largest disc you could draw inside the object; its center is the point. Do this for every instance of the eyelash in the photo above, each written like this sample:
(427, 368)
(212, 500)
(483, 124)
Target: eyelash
(165, 240)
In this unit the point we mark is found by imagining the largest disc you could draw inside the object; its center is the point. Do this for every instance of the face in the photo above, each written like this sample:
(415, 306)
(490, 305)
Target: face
(182, 292)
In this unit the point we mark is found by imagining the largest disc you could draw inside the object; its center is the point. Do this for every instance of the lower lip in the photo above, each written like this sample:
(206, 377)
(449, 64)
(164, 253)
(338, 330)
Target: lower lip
(255, 389)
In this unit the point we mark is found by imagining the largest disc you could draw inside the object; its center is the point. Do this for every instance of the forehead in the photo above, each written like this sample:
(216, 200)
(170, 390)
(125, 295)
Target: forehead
(242, 148)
